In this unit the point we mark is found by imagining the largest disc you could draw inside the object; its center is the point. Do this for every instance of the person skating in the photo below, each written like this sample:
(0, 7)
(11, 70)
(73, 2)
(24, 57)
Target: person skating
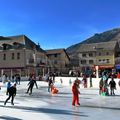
(91, 80)
(31, 84)
(12, 93)
(112, 85)
(18, 79)
(50, 84)
(85, 81)
(8, 87)
(100, 86)
(76, 93)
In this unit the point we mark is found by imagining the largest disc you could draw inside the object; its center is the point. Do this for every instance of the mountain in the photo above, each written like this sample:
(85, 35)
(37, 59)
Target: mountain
(110, 35)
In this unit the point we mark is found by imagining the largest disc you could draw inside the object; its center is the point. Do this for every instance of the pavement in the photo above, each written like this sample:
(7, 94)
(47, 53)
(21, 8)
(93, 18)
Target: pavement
(45, 106)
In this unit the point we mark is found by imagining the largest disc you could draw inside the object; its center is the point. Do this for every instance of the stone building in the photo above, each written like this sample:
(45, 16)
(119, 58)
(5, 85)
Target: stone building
(59, 60)
(20, 55)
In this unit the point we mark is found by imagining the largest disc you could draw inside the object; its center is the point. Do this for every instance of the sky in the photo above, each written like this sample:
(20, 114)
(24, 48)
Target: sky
(58, 23)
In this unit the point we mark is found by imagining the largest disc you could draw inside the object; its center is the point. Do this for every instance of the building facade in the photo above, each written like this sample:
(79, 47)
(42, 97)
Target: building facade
(59, 60)
(101, 55)
(19, 55)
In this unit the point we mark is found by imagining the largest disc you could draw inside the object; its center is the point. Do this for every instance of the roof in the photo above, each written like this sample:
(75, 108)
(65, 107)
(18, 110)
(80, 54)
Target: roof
(22, 40)
(56, 51)
(97, 46)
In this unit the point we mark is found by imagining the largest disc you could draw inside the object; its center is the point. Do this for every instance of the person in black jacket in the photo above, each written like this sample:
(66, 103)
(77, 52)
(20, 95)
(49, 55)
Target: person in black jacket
(50, 84)
(112, 85)
(12, 93)
(31, 84)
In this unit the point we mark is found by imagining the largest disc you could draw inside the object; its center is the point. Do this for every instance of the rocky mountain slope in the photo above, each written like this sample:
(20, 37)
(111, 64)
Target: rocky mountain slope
(111, 35)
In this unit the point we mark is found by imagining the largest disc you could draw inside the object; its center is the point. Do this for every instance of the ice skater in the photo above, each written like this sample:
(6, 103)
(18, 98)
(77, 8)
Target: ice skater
(31, 84)
(76, 92)
(12, 93)
(50, 84)
(112, 85)
(85, 81)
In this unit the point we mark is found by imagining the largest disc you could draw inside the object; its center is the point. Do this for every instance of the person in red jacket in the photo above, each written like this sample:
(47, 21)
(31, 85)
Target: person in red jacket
(118, 75)
(76, 93)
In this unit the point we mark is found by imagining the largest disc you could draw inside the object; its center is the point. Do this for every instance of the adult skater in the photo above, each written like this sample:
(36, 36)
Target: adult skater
(112, 85)
(31, 84)
(12, 93)
(50, 84)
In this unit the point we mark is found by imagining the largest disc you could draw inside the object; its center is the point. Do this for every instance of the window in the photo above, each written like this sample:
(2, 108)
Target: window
(4, 56)
(104, 60)
(107, 53)
(83, 55)
(90, 55)
(13, 56)
(90, 61)
(18, 55)
(108, 61)
(83, 61)
(100, 60)
(55, 55)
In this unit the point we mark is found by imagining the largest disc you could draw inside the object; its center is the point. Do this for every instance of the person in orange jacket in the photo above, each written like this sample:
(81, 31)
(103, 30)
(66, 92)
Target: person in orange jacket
(76, 93)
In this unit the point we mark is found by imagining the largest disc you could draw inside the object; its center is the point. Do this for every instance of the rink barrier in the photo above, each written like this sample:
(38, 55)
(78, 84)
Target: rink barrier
(95, 81)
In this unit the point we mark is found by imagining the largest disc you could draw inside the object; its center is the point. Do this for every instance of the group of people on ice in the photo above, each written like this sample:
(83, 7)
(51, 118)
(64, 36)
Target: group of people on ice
(11, 84)
(32, 81)
(104, 85)
(15, 78)
(11, 87)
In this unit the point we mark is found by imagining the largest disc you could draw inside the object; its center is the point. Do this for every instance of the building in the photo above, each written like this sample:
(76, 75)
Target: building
(105, 54)
(20, 55)
(87, 58)
(100, 54)
(59, 60)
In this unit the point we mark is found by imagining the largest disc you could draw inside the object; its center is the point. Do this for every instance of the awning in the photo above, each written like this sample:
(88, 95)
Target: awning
(117, 66)
(105, 67)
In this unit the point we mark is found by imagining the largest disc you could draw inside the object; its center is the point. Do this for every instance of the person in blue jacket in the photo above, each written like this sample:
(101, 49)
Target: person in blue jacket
(8, 87)
(12, 93)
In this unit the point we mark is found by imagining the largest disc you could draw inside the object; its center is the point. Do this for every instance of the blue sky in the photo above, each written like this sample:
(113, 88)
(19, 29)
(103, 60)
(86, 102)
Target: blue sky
(58, 23)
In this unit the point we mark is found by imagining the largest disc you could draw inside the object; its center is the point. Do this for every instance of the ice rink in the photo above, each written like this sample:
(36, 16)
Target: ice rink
(41, 105)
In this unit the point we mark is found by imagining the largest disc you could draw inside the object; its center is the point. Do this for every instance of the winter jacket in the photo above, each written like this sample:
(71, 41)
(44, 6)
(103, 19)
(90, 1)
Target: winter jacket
(12, 90)
(75, 89)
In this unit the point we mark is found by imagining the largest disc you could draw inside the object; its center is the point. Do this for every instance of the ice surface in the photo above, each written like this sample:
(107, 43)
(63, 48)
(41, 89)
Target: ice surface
(41, 105)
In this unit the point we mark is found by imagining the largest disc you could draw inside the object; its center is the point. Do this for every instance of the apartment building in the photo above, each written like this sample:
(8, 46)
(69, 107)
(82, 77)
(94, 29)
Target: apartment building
(105, 54)
(98, 54)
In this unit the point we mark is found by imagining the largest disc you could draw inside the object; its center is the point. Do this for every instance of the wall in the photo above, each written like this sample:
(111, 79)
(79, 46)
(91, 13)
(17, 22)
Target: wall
(9, 62)
(95, 81)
